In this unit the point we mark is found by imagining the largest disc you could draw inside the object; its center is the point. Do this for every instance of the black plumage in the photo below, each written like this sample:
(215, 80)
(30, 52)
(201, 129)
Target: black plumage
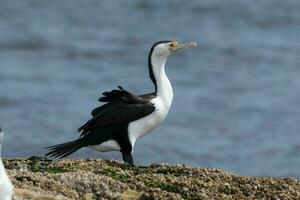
(122, 107)
(109, 122)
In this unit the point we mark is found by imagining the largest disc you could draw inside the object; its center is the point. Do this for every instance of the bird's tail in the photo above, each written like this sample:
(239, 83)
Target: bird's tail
(64, 149)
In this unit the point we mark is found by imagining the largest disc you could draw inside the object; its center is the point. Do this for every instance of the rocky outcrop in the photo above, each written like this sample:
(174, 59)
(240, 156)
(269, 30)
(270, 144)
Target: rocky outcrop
(39, 178)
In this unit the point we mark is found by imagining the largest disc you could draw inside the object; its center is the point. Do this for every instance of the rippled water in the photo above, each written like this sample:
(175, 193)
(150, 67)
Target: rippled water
(237, 96)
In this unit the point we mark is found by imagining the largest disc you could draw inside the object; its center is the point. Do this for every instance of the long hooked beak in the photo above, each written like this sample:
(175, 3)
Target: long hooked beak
(177, 46)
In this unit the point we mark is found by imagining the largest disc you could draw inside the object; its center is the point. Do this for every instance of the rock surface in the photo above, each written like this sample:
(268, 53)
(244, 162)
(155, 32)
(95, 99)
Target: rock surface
(39, 178)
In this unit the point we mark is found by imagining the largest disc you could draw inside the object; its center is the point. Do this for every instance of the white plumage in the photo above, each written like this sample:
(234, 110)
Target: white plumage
(162, 102)
(6, 187)
(127, 117)
(110, 145)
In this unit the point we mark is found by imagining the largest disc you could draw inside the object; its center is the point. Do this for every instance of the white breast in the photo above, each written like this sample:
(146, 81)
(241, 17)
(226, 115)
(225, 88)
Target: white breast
(141, 127)
(162, 103)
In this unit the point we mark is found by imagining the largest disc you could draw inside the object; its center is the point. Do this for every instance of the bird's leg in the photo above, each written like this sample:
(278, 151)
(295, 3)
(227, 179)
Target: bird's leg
(127, 157)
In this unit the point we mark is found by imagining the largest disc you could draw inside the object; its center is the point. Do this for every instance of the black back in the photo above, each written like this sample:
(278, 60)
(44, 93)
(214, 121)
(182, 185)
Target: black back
(122, 107)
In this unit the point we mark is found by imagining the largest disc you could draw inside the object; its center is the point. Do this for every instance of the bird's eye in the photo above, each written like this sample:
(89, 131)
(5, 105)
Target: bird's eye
(172, 44)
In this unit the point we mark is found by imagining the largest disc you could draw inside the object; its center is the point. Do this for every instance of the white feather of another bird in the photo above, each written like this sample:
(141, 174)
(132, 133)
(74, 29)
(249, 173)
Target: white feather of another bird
(6, 187)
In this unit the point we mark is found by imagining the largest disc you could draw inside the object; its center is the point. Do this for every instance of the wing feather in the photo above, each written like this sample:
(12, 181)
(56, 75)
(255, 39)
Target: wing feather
(121, 107)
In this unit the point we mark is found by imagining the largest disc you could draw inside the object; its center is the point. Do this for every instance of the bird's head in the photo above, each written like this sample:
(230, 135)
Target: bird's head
(165, 48)
(159, 53)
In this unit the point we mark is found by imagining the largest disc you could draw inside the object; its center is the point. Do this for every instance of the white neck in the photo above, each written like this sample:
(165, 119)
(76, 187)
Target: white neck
(164, 87)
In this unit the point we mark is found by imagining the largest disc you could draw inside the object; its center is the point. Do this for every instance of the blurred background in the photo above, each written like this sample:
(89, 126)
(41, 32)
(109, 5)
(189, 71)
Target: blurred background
(237, 96)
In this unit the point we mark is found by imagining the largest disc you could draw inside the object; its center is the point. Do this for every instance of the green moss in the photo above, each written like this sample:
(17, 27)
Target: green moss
(164, 186)
(35, 160)
(34, 163)
(36, 167)
(115, 175)
(140, 170)
(54, 170)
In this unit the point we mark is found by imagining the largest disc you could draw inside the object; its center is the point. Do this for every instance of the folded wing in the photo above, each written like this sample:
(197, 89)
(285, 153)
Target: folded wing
(121, 107)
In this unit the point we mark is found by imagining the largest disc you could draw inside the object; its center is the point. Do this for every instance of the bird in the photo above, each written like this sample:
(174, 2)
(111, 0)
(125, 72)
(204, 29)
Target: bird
(6, 187)
(125, 117)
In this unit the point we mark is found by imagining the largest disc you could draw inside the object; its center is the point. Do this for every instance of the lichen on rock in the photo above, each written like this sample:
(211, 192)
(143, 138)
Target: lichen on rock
(39, 178)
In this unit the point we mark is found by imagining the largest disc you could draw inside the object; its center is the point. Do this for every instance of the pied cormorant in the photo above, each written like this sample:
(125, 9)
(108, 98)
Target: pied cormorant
(116, 125)
(6, 187)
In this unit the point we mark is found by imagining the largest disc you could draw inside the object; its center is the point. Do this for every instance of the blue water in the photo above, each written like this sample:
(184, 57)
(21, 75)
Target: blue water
(237, 96)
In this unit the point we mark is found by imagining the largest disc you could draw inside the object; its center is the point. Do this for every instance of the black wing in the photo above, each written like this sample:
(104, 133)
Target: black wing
(121, 107)
(120, 94)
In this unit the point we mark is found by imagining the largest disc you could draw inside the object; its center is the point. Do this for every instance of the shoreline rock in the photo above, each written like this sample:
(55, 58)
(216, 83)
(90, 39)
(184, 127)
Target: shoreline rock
(39, 178)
